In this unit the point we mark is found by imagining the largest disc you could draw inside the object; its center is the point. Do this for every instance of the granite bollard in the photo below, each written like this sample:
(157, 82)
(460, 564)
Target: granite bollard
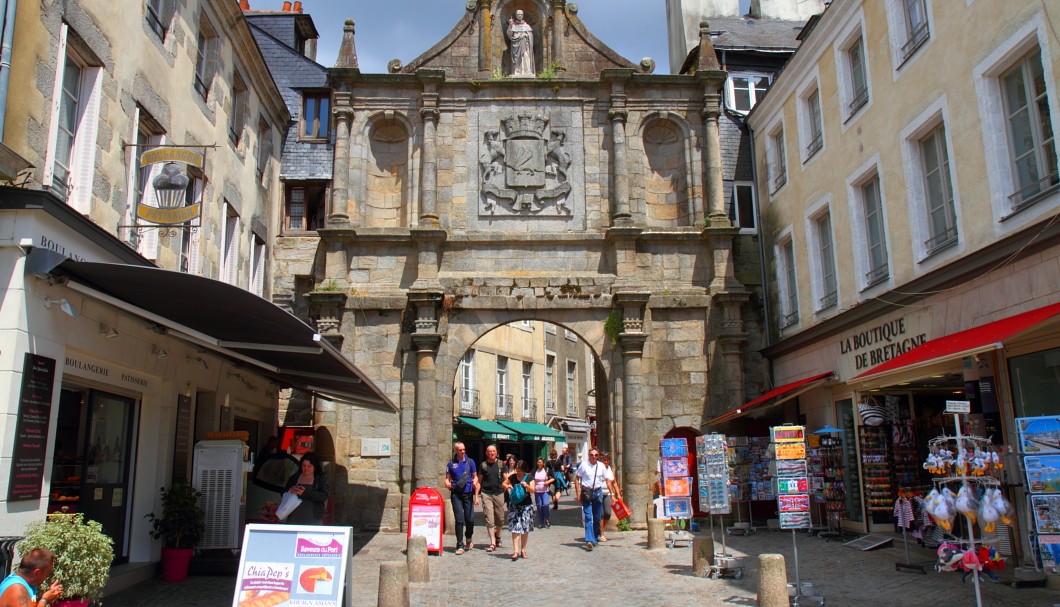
(416, 558)
(393, 584)
(772, 581)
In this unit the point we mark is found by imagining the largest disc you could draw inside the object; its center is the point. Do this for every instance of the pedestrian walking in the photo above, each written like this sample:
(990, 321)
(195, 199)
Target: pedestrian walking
(589, 481)
(542, 482)
(461, 479)
(556, 468)
(491, 481)
(611, 493)
(520, 487)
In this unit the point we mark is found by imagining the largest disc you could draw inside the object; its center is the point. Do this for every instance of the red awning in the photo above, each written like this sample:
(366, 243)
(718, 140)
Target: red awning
(774, 397)
(990, 336)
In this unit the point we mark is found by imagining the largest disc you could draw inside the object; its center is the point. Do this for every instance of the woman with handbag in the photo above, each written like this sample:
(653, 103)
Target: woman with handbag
(542, 486)
(520, 518)
(310, 484)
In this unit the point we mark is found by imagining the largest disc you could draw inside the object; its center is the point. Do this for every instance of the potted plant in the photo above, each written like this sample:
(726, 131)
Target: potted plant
(180, 527)
(83, 555)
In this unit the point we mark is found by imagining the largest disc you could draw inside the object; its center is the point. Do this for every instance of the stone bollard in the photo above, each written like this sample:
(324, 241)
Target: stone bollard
(393, 584)
(702, 555)
(416, 558)
(656, 534)
(772, 581)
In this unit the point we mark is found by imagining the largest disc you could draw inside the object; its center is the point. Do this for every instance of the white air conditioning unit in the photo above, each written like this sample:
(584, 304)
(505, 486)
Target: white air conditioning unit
(220, 475)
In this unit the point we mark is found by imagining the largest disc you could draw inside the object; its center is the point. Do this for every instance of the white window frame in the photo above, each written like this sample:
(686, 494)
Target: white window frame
(550, 328)
(810, 119)
(467, 381)
(528, 388)
(206, 51)
(550, 382)
(906, 44)
(777, 158)
(822, 256)
(264, 151)
(502, 391)
(912, 136)
(572, 382)
(735, 213)
(240, 109)
(862, 241)
(231, 228)
(787, 283)
(752, 92)
(155, 13)
(851, 57)
(569, 335)
(1001, 175)
(81, 166)
(259, 261)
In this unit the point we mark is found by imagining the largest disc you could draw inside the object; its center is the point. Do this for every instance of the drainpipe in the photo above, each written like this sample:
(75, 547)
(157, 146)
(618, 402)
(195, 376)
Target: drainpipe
(7, 17)
(761, 237)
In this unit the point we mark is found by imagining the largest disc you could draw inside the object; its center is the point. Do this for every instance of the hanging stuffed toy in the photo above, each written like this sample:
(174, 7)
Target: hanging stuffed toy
(970, 563)
(967, 503)
(950, 558)
(988, 514)
(944, 509)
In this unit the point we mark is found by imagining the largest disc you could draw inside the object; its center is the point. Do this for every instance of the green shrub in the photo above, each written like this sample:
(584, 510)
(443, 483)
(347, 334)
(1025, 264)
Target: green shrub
(83, 553)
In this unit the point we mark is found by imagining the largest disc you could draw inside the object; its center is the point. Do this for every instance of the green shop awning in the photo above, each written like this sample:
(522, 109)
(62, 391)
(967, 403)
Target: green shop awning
(532, 431)
(489, 429)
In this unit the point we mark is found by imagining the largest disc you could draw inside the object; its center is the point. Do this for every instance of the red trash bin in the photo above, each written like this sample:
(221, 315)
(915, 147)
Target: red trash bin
(427, 517)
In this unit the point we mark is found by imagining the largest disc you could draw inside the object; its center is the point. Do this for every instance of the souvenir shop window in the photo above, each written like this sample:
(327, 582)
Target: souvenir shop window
(1034, 378)
(846, 416)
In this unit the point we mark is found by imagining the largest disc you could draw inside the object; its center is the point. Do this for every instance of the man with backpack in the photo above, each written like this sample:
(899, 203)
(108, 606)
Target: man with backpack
(461, 479)
(491, 479)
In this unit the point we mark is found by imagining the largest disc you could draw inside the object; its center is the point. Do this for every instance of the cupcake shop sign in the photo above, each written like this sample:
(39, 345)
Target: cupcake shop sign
(163, 172)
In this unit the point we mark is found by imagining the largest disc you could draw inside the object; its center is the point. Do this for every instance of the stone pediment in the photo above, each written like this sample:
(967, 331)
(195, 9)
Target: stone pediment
(479, 46)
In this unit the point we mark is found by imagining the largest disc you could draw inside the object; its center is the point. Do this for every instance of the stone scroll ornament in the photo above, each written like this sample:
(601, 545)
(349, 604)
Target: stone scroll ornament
(523, 173)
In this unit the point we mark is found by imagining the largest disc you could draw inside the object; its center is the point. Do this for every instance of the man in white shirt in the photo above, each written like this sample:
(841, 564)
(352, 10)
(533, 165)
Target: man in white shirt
(589, 481)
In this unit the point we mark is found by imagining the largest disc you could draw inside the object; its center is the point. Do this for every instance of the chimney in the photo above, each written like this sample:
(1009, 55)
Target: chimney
(347, 50)
(244, 5)
(298, 7)
(286, 7)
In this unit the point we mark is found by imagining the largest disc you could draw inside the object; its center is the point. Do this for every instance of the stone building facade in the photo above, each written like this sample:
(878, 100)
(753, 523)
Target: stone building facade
(464, 198)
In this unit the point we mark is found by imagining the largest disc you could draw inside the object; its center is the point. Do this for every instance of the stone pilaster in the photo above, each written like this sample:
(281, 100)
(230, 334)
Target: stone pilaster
(327, 308)
(432, 422)
(635, 469)
(429, 112)
(485, 28)
(621, 215)
(713, 191)
(731, 341)
(558, 20)
(340, 179)
(429, 242)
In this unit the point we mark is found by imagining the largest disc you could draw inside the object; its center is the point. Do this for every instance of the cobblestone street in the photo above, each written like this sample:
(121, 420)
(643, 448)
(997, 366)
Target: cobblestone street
(626, 574)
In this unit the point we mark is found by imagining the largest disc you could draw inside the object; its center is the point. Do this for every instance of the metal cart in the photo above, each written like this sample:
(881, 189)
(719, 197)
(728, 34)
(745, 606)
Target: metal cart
(726, 565)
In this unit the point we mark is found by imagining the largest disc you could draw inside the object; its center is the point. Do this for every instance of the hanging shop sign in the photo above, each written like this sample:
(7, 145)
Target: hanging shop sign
(31, 428)
(165, 185)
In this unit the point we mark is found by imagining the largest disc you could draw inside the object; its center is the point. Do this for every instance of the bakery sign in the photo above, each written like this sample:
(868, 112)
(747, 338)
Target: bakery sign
(164, 179)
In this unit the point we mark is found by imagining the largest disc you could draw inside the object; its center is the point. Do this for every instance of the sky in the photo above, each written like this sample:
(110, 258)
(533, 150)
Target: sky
(404, 29)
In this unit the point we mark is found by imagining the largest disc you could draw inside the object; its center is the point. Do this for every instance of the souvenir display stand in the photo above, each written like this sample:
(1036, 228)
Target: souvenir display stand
(792, 489)
(677, 481)
(712, 463)
(1039, 439)
(967, 464)
(903, 515)
(829, 456)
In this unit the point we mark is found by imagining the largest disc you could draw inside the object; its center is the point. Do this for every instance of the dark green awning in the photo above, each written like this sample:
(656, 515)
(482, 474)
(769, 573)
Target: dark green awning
(490, 429)
(532, 431)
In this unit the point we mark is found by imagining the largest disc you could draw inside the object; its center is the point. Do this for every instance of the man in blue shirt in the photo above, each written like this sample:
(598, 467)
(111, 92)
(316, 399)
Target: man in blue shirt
(20, 589)
(461, 479)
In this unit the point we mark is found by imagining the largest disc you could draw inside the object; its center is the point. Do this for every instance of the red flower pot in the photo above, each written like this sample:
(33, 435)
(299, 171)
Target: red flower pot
(71, 602)
(175, 563)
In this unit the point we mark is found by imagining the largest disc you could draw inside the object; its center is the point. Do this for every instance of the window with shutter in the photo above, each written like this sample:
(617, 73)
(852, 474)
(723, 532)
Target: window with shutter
(240, 102)
(230, 245)
(257, 270)
(205, 58)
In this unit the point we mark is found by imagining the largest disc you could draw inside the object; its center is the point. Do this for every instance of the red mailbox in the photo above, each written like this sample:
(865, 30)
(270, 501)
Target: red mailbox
(427, 517)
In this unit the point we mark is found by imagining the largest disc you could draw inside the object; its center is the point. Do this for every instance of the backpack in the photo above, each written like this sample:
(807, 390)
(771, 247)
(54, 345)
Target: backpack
(518, 494)
(561, 481)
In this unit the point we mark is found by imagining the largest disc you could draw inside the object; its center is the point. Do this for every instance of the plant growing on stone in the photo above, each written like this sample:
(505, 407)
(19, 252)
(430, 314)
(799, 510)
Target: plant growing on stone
(83, 553)
(613, 326)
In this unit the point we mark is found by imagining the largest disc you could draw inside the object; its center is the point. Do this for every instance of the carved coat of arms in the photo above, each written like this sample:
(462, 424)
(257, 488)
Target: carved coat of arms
(524, 173)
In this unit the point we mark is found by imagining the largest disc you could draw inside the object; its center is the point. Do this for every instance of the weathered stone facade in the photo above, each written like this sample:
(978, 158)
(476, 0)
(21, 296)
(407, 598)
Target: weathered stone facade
(595, 186)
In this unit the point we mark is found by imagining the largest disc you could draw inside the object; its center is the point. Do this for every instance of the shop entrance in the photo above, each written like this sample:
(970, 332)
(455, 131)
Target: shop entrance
(92, 460)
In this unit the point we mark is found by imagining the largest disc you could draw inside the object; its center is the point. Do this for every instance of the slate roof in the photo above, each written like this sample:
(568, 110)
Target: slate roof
(762, 34)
